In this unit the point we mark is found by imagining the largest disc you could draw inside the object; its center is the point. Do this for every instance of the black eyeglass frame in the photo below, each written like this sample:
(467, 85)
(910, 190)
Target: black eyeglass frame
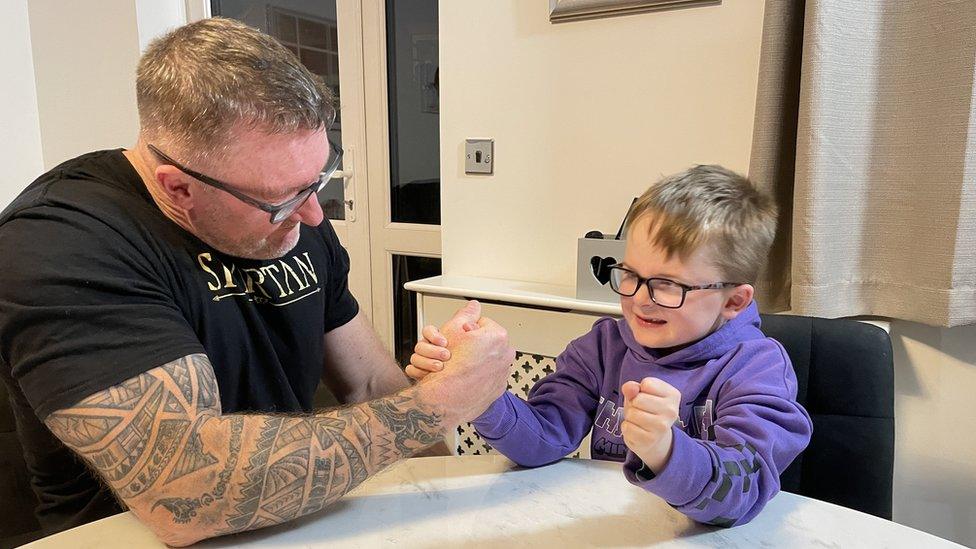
(289, 206)
(685, 288)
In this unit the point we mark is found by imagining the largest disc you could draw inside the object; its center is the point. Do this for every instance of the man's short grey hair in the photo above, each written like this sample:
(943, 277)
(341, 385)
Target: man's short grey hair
(710, 206)
(200, 82)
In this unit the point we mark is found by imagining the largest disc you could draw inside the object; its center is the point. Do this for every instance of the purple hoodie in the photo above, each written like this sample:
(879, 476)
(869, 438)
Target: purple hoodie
(740, 425)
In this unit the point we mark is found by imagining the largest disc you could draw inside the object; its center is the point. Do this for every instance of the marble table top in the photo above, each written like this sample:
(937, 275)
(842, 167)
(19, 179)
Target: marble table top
(489, 502)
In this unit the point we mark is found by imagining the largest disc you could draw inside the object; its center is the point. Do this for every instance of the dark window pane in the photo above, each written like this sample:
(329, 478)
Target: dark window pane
(312, 34)
(333, 43)
(331, 198)
(412, 76)
(317, 62)
(332, 66)
(284, 28)
(405, 269)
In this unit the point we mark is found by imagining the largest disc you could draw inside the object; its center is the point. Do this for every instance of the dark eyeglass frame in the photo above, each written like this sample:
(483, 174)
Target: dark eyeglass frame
(279, 212)
(641, 281)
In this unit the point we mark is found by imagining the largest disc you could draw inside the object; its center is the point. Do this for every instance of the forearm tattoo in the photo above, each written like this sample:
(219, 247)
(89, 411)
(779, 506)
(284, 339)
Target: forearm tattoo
(160, 441)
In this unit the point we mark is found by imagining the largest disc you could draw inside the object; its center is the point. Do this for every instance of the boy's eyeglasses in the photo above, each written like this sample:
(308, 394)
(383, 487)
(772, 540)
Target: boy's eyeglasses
(279, 212)
(665, 292)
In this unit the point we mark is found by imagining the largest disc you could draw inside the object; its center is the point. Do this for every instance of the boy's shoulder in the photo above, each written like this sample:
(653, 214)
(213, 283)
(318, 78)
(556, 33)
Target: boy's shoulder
(763, 362)
(604, 336)
(760, 350)
(608, 332)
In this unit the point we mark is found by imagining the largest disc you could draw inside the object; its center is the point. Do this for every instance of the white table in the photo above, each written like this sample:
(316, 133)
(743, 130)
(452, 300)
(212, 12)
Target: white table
(488, 502)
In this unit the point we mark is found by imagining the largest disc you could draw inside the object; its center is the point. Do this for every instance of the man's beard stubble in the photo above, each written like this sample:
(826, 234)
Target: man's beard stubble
(239, 246)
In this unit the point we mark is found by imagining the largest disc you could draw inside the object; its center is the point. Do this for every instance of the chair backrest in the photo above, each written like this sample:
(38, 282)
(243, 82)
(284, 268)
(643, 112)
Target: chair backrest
(18, 525)
(845, 376)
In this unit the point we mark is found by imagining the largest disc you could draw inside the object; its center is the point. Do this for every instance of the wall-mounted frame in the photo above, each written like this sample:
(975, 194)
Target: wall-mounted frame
(574, 10)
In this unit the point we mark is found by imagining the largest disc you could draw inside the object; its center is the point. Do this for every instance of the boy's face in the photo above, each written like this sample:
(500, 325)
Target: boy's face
(703, 310)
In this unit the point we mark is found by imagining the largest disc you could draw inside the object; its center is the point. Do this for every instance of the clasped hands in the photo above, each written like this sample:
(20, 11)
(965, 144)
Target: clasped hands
(650, 405)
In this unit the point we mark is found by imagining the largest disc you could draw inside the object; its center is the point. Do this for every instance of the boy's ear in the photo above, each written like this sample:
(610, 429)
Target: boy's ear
(737, 301)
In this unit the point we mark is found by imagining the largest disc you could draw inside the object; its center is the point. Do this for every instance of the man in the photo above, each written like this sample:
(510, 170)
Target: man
(166, 311)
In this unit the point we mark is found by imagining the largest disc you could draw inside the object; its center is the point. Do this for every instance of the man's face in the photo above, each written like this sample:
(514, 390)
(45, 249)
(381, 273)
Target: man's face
(269, 168)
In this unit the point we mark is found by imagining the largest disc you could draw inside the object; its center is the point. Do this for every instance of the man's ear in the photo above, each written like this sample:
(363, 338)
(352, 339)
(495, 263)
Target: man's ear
(175, 185)
(737, 300)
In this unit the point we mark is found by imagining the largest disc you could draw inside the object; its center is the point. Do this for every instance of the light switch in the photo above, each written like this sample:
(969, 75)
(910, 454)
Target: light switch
(479, 155)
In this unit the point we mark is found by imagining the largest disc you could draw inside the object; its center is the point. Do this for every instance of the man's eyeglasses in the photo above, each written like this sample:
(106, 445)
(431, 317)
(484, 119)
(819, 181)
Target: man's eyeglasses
(279, 212)
(665, 292)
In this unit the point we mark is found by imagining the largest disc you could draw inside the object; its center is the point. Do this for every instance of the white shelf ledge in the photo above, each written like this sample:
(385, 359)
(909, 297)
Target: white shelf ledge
(511, 291)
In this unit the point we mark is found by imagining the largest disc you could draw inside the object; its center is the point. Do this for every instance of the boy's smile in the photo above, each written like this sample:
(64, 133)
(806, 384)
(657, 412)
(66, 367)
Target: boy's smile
(649, 322)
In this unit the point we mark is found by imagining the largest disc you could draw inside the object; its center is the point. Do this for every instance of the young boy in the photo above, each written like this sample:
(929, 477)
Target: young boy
(686, 390)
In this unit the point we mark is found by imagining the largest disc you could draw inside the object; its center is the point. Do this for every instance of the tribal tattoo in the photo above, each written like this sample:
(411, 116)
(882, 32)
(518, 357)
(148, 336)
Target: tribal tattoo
(159, 440)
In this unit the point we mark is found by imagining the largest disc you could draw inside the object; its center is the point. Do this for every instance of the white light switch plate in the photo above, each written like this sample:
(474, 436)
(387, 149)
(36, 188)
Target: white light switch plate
(479, 155)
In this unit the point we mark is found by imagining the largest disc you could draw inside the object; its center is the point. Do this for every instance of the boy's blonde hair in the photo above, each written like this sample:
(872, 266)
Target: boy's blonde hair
(198, 83)
(710, 206)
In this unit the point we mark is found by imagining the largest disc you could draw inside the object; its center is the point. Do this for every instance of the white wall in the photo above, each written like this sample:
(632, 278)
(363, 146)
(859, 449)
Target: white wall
(585, 115)
(935, 429)
(20, 131)
(70, 79)
(156, 17)
(85, 57)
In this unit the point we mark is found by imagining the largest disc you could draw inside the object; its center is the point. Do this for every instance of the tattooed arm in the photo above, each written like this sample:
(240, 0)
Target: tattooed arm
(357, 368)
(189, 473)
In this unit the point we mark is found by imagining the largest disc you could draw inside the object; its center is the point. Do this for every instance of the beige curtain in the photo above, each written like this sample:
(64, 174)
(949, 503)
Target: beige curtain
(866, 134)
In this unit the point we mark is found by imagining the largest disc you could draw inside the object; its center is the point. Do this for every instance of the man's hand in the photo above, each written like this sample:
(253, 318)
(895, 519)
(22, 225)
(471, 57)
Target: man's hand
(650, 409)
(477, 371)
(430, 354)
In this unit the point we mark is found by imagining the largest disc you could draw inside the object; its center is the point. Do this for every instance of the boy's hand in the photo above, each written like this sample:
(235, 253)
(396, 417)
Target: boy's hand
(650, 408)
(430, 354)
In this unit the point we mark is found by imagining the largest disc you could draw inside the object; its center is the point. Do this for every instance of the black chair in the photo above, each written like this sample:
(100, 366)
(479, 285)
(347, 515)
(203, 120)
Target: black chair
(18, 525)
(845, 380)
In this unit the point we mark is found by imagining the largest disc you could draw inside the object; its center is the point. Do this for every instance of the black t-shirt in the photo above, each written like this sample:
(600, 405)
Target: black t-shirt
(98, 286)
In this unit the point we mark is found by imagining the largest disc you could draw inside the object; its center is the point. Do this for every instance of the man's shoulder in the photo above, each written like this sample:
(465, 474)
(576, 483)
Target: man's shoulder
(84, 216)
(322, 234)
(93, 190)
(320, 245)
(79, 184)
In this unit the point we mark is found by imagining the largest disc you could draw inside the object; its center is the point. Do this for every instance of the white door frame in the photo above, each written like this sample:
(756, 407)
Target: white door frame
(386, 237)
(354, 231)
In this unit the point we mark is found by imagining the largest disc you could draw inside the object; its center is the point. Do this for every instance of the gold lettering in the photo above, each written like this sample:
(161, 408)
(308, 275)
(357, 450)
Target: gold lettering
(229, 275)
(285, 268)
(267, 270)
(251, 283)
(308, 268)
(211, 285)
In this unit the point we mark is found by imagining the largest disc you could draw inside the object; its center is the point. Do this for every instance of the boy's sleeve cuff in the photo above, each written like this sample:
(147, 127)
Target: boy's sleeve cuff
(498, 419)
(684, 476)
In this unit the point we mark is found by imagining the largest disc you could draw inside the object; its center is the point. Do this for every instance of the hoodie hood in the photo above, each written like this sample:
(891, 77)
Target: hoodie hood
(743, 327)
